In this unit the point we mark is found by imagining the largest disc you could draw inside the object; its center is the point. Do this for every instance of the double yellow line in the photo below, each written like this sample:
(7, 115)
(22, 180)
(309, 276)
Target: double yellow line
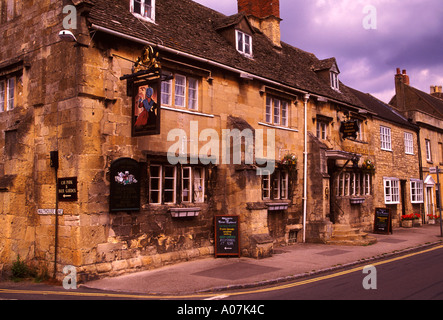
(208, 295)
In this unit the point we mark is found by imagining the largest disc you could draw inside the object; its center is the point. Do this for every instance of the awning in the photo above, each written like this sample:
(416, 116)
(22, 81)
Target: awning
(341, 155)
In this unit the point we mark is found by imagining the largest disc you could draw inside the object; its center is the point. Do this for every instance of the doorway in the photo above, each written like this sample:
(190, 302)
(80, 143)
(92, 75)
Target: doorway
(403, 196)
(430, 209)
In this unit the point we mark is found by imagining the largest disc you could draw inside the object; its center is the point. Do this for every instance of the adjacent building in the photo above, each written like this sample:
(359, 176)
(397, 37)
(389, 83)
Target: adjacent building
(160, 115)
(426, 111)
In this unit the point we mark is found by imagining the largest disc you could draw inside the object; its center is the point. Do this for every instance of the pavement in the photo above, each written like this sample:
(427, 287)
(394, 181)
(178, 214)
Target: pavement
(287, 263)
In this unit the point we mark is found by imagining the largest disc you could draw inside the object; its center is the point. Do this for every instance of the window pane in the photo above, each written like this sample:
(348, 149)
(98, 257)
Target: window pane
(166, 92)
(240, 41)
(138, 6)
(247, 44)
(192, 93)
(284, 113)
(169, 184)
(199, 185)
(186, 184)
(11, 84)
(155, 184)
(268, 110)
(276, 111)
(2, 96)
(180, 89)
(148, 9)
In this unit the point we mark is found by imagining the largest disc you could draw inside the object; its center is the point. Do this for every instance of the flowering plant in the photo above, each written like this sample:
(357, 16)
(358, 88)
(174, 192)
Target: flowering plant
(368, 165)
(432, 216)
(408, 217)
(289, 160)
(417, 216)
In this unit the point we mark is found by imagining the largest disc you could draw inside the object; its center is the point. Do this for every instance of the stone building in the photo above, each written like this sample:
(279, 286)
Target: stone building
(163, 114)
(426, 111)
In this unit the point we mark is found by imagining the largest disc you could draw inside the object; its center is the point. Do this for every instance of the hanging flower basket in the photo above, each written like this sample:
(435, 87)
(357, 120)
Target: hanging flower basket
(368, 167)
(289, 162)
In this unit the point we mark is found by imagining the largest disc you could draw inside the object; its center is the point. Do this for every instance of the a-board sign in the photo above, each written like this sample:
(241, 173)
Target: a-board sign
(227, 242)
(67, 189)
(382, 221)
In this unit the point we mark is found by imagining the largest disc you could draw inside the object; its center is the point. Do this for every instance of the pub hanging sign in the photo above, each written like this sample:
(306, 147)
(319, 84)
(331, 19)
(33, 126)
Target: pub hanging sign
(125, 185)
(349, 129)
(144, 85)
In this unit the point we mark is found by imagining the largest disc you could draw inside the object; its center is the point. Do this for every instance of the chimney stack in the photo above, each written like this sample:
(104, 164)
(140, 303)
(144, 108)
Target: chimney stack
(402, 76)
(436, 89)
(263, 15)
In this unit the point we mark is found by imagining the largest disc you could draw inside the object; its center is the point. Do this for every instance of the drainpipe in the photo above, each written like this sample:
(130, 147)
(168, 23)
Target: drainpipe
(305, 166)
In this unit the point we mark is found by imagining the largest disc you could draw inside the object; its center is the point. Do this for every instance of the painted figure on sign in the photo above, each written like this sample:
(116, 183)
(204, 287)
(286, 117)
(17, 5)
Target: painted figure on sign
(148, 117)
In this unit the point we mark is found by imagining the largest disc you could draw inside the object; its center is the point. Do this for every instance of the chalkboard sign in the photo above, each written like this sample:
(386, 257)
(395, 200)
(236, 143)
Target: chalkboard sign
(382, 221)
(125, 185)
(227, 242)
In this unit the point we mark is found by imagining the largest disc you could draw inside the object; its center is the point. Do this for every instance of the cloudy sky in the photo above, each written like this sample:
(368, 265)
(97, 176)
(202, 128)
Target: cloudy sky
(369, 38)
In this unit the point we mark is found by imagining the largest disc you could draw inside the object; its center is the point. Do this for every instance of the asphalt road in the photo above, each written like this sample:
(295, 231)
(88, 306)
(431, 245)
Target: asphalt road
(418, 277)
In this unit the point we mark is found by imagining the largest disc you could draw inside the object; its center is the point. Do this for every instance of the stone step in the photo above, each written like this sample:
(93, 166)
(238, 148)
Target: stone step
(345, 235)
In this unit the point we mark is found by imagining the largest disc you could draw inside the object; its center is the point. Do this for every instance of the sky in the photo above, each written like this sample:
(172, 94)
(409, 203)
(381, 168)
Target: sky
(369, 38)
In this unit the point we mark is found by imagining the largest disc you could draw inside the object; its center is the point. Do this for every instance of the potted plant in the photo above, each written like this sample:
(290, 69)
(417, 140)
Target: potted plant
(431, 218)
(289, 162)
(407, 220)
(417, 219)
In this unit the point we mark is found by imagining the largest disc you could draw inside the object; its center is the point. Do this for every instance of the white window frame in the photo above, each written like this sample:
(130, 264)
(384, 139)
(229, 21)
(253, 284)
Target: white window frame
(198, 183)
(391, 190)
(322, 130)
(366, 184)
(385, 138)
(243, 42)
(7, 94)
(160, 182)
(277, 111)
(417, 191)
(335, 84)
(428, 150)
(409, 143)
(182, 92)
(3, 91)
(266, 186)
(174, 183)
(188, 191)
(150, 18)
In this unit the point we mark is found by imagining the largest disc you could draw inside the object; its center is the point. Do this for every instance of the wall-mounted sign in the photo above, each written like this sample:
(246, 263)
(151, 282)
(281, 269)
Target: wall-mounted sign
(382, 221)
(146, 108)
(125, 185)
(46, 212)
(227, 242)
(67, 189)
(349, 129)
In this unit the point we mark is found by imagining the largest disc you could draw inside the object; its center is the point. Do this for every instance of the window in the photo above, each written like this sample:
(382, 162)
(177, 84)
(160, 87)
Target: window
(279, 187)
(334, 81)
(353, 184)
(7, 94)
(428, 150)
(182, 90)
(244, 43)
(143, 9)
(440, 145)
(409, 143)
(322, 130)
(193, 184)
(277, 111)
(416, 191)
(392, 190)
(165, 184)
(385, 138)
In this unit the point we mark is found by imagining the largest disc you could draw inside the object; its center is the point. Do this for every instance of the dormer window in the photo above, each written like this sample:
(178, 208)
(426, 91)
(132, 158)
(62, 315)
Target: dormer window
(244, 43)
(334, 81)
(144, 9)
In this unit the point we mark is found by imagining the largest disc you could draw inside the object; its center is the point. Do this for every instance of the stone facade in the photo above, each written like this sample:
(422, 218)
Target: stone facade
(69, 98)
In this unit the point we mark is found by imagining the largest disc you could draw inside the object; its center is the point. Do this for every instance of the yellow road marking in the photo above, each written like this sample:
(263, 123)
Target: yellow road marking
(197, 296)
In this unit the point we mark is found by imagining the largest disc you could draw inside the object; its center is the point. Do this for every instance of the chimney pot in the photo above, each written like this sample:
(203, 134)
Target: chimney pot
(398, 71)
